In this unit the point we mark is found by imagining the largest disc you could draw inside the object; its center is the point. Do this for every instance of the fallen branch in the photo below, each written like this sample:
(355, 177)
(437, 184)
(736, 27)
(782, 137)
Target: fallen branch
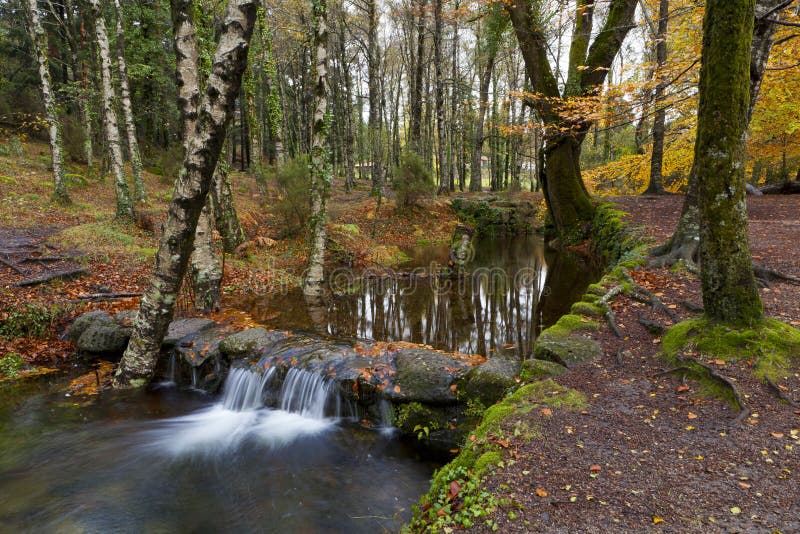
(107, 296)
(64, 275)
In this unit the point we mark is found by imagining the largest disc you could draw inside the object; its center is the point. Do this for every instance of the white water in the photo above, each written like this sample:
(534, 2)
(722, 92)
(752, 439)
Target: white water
(241, 416)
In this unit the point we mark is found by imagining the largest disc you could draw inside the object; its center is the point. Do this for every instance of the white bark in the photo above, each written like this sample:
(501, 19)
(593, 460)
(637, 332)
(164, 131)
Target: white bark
(39, 38)
(111, 126)
(127, 111)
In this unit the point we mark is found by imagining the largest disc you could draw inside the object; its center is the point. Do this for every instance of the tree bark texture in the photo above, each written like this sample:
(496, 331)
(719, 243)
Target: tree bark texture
(39, 38)
(111, 125)
(730, 293)
(158, 303)
(656, 186)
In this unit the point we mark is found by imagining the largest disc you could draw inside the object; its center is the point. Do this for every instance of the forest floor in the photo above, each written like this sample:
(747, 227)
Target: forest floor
(649, 453)
(98, 255)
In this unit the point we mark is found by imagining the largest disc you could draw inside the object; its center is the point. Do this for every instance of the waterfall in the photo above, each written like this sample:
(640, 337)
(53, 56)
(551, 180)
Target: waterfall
(308, 394)
(243, 389)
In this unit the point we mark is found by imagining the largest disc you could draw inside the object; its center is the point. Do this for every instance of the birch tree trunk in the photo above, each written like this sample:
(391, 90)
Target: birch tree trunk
(730, 293)
(191, 188)
(39, 38)
(226, 219)
(139, 193)
(111, 126)
(206, 272)
(320, 154)
(656, 186)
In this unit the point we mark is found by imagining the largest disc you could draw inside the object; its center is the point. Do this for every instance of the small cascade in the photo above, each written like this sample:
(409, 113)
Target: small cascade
(308, 394)
(244, 388)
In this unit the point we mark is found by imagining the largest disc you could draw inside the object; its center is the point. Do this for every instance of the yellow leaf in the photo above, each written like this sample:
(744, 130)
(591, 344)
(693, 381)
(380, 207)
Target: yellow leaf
(657, 520)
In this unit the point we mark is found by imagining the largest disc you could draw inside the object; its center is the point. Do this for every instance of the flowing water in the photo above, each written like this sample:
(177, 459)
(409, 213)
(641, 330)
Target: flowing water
(172, 461)
(268, 455)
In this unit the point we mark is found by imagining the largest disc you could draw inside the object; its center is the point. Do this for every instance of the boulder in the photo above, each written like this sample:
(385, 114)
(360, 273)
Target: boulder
(83, 322)
(104, 338)
(425, 376)
(568, 351)
(490, 381)
(183, 328)
(126, 317)
(247, 341)
(534, 369)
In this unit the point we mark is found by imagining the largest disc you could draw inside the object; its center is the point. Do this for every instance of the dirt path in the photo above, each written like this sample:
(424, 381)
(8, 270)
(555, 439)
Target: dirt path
(649, 453)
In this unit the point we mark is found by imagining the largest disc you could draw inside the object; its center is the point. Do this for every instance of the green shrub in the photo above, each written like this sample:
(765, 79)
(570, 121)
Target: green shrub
(412, 180)
(293, 189)
(12, 147)
(32, 320)
(10, 364)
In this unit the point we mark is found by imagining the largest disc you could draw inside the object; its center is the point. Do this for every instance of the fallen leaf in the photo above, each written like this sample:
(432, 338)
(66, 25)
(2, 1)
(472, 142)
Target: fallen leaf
(744, 485)
(683, 389)
(547, 411)
(736, 510)
(691, 415)
(776, 435)
(541, 492)
(657, 520)
(595, 468)
(718, 362)
(454, 489)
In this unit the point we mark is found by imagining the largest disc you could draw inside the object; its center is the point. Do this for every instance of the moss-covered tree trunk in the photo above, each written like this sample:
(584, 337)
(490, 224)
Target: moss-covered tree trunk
(684, 242)
(191, 189)
(225, 217)
(568, 202)
(730, 293)
(320, 167)
(39, 38)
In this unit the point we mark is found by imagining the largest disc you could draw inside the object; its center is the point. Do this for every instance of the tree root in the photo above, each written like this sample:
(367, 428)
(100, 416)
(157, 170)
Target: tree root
(12, 266)
(692, 307)
(608, 313)
(652, 299)
(654, 327)
(765, 275)
(780, 393)
(65, 275)
(744, 410)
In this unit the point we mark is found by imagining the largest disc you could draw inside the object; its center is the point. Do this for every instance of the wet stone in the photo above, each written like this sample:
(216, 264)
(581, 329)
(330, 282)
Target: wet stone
(183, 328)
(104, 338)
(568, 351)
(247, 341)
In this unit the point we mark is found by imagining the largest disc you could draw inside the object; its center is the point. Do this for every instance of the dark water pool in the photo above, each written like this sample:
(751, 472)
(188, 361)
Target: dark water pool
(172, 461)
(514, 287)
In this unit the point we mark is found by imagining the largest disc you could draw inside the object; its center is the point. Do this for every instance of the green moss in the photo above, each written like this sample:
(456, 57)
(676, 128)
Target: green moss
(534, 369)
(106, 238)
(487, 460)
(596, 289)
(772, 345)
(569, 324)
(586, 308)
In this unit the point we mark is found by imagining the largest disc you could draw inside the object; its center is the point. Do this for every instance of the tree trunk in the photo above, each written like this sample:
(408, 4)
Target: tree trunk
(415, 100)
(684, 243)
(320, 170)
(454, 108)
(475, 176)
(139, 193)
(656, 186)
(123, 193)
(564, 192)
(206, 272)
(375, 112)
(226, 219)
(158, 303)
(39, 38)
(441, 170)
(730, 293)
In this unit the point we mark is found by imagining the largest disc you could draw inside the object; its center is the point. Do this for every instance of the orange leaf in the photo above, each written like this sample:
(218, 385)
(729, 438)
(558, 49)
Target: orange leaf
(594, 468)
(547, 411)
(541, 492)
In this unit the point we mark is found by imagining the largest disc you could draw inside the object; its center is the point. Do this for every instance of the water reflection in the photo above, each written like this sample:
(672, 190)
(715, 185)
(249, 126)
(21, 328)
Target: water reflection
(512, 289)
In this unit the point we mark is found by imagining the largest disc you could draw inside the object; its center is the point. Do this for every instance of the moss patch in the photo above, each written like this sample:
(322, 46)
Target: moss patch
(438, 509)
(106, 238)
(773, 346)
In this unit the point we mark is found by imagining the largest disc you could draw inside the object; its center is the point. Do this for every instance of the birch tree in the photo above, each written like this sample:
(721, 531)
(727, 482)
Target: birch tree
(191, 188)
(139, 193)
(39, 38)
(320, 166)
(111, 126)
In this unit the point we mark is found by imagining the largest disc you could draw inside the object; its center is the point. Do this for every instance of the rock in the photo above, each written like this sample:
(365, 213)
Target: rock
(245, 342)
(569, 351)
(104, 338)
(126, 317)
(489, 381)
(425, 376)
(534, 369)
(83, 322)
(183, 328)
(753, 190)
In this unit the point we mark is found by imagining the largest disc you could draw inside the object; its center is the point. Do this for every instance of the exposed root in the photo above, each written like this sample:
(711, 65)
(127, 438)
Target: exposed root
(654, 327)
(780, 393)
(692, 307)
(765, 275)
(11, 266)
(668, 255)
(66, 275)
(608, 313)
(652, 299)
(744, 410)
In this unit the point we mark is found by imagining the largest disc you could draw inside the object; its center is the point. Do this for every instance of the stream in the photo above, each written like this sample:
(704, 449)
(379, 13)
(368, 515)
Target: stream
(262, 458)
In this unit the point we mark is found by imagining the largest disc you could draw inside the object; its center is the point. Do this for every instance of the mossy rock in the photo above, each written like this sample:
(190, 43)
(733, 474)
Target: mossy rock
(84, 321)
(247, 341)
(569, 351)
(104, 338)
(534, 369)
(490, 381)
(426, 376)
(586, 308)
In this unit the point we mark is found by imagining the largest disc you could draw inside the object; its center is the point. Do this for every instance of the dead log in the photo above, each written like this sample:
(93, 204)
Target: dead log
(63, 275)
(791, 187)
